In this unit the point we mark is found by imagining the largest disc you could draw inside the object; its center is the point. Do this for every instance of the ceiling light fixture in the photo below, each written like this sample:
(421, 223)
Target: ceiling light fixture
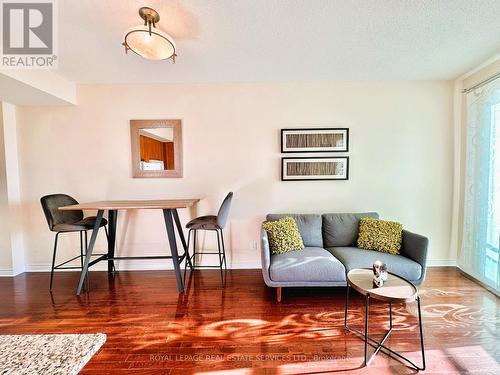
(148, 41)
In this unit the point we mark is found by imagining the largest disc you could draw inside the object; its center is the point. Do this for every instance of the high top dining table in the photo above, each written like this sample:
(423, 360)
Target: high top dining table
(170, 215)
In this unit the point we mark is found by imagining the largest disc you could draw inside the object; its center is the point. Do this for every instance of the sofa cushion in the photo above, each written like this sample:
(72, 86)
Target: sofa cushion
(342, 229)
(309, 264)
(309, 227)
(381, 235)
(352, 257)
(283, 235)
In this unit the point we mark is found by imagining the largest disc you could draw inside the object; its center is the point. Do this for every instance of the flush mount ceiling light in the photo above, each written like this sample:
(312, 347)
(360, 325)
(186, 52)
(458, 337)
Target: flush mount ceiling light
(148, 41)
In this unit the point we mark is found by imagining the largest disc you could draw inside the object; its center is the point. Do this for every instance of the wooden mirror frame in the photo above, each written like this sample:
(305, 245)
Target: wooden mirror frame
(135, 127)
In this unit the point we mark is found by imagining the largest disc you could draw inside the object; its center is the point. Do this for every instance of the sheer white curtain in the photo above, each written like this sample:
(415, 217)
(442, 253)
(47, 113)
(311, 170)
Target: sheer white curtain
(479, 255)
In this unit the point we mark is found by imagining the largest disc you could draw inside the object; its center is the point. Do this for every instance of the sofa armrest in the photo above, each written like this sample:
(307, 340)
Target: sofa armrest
(415, 248)
(266, 257)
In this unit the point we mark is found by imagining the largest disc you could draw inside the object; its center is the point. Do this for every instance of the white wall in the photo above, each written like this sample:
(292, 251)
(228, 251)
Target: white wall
(401, 141)
(5, 248)
(35, 87)
(12, 261)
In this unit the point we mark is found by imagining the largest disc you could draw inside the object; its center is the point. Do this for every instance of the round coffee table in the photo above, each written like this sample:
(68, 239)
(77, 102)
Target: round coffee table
(395, 290)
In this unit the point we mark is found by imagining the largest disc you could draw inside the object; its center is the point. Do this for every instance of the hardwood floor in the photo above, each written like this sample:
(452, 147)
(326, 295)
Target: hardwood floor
(151, 329)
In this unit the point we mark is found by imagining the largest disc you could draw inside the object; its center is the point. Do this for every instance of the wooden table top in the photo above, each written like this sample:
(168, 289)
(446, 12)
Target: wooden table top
(133, 204)
(395, 288)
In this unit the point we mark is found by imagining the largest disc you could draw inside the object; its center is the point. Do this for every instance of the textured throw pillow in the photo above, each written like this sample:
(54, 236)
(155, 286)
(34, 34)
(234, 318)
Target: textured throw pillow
(283, 235)
(381, 235)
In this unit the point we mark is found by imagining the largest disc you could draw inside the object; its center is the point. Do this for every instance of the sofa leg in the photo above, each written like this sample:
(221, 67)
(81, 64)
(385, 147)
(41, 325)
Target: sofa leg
(278, 294)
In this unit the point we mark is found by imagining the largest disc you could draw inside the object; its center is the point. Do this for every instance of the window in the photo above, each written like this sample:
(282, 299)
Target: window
(493, 229)
(479, 255)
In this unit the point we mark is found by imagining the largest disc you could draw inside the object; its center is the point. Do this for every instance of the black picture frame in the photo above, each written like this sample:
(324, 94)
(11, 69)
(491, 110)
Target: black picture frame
(344, 178)
(312, 150)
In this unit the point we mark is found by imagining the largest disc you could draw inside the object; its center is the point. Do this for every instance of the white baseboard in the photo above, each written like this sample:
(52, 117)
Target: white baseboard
(10, 272)
(442, 263)
(123, 265)
(145, 265)
(6, 273)
(134, 265)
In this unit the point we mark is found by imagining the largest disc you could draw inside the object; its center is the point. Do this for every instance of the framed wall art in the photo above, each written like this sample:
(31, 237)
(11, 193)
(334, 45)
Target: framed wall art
(314, 168)
(315, 140)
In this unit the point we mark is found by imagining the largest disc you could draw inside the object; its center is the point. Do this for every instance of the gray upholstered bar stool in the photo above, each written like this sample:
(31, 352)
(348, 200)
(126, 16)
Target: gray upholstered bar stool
(211, 223)
(67, 222)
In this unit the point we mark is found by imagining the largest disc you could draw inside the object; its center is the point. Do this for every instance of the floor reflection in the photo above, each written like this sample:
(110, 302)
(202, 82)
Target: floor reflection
(242, 330)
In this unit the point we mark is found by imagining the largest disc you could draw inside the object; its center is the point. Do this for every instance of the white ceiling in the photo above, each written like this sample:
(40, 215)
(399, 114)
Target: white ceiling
(263, 40)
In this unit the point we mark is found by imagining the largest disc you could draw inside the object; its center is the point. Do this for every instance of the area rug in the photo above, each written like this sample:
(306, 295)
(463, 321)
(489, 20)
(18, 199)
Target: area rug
(47, 354)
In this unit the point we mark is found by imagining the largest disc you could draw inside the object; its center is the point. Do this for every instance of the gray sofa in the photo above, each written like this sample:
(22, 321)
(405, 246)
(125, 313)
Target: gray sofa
(330, 252)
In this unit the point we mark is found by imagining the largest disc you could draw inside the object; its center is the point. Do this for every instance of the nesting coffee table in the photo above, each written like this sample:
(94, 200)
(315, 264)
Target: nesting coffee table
(395, 290)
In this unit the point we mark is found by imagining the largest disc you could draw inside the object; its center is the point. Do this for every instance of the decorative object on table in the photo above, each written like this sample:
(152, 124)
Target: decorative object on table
(284, 235)
(147, 40)
(315, 168)
(47, 354)
(381, 235)
(156, 148)
(210, 223)
(67, 222)
(315, 140)
(379, 273)
(399, 290)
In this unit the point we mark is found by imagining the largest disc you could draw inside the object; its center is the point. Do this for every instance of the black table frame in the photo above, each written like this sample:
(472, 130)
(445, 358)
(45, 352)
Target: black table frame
(170, 216)
(380, 344)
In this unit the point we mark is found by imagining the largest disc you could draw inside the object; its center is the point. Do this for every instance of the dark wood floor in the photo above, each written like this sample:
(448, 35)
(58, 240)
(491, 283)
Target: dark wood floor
(242, 330)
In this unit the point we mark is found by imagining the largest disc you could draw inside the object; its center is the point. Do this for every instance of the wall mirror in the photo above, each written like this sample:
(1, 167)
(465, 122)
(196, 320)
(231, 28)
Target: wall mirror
(156, 148)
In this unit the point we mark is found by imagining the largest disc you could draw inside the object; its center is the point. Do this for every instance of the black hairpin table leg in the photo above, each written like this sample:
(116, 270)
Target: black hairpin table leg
(380, 344)
(178, 224)
(112, 216)
(169, 223)
(90, 249)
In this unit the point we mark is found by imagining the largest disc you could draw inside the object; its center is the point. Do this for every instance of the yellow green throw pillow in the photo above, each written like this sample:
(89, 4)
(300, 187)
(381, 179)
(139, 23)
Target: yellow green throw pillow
(381, 235)
(283, 235)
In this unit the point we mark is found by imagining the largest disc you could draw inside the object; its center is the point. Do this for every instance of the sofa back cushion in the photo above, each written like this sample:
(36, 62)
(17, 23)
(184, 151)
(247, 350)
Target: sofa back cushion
(343, 229)
(309, 227)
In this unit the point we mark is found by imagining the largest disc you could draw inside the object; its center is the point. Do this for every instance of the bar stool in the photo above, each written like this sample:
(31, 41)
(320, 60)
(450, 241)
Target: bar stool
(211, 223)
(67, 222)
